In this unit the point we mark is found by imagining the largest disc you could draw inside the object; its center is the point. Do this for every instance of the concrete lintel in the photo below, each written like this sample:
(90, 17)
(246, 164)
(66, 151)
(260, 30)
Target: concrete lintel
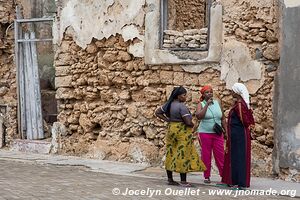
(291, 3)
(155, 56)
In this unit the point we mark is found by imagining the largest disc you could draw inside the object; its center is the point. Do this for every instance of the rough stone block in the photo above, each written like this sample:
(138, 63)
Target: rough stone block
(64, 81)
(166, 77)
(191, 32)
(64, 93)
(62, 71)
(190, 79)
(151, 94)
(178, 78)
(31, 146)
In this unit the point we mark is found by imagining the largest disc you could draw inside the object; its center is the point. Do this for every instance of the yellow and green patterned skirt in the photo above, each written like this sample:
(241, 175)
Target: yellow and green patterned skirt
(181, 154)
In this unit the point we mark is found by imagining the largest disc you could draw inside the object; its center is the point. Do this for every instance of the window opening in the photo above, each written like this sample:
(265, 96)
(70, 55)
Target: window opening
(184, 25)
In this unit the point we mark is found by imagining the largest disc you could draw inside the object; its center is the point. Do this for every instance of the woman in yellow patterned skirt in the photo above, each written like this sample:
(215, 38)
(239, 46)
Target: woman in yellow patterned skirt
(181, 154)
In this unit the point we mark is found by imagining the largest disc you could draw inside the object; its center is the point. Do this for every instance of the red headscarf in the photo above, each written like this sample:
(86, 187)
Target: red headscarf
(205, 88)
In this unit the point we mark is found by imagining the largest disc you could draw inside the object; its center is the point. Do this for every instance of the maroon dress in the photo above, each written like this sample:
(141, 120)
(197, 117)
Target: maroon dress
(238, 156)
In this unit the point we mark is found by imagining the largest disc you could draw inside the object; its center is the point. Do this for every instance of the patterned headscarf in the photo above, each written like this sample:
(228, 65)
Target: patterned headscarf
(242, 90)
(205, 88)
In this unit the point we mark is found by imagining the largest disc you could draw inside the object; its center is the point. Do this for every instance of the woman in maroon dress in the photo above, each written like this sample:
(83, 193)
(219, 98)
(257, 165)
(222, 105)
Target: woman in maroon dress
(238, 146)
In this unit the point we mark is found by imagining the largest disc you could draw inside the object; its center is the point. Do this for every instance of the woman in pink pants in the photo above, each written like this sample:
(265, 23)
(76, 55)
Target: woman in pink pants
(210, 112)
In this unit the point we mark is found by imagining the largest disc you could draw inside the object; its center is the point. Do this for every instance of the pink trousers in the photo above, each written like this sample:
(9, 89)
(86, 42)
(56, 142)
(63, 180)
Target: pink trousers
(212, 143)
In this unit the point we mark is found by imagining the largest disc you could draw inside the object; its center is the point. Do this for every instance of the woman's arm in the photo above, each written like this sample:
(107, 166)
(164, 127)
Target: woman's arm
(186, 115)
(240, 112)
(245, 115)
(160, 114)
(200, 112)
(188, 121)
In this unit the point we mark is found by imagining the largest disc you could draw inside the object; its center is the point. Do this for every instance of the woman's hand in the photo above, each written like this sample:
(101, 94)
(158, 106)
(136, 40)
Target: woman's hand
(195, 128)
(194, 136)
(161, 115)
(252, 127)
(225, 135)
(225, 149)
(209, 101)
(188, 121)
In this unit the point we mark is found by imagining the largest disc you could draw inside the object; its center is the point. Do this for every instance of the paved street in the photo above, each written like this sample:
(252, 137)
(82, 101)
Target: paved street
(30, 180)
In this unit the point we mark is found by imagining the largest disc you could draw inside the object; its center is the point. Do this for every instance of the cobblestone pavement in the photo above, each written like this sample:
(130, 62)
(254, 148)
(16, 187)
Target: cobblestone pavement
(26, 180)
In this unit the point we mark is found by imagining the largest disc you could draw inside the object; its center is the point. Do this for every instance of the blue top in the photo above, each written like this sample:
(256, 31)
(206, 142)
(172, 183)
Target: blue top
(213, 115)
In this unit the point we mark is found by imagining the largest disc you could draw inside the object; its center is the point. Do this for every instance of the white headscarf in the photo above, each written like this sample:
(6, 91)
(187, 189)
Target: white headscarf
(241, 90)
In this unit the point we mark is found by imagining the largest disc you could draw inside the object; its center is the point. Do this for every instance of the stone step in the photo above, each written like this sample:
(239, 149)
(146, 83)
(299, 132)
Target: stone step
(31, 146)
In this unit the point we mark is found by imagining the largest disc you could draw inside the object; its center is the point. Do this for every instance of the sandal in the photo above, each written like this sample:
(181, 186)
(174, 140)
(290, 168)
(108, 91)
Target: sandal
(185, 184)
(173, 183)
(207, 180)
(221, 184)
(234, 187)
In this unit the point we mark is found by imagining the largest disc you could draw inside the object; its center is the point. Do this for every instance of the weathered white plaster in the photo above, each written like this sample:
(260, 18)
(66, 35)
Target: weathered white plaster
(137, 50)
(130, 32)
(291, 3)
(236, 63)
(200, 67)
(154, 55)
(100, 19)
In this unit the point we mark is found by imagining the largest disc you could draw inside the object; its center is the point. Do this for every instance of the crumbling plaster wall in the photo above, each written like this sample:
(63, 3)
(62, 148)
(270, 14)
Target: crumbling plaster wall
(125, 17)
(107, 94)
(8, 93)
(8, 79)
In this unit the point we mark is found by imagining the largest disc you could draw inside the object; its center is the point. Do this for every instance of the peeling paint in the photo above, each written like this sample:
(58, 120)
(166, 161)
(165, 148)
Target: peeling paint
(236, 63)
(130, 32)
(100, 20)
(137, 50)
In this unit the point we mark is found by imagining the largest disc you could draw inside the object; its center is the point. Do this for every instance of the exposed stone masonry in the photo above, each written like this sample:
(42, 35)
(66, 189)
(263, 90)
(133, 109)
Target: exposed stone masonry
(107, 97)
(193, 38)
(256, 25)
(8, 95)
(185, 14)
(107, 100)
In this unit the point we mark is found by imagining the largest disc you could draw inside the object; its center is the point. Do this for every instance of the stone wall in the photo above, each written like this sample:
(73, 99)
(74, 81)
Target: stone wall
(8, 95)
(107, 96)
(192, 38)
(185, 14)
(107, 99)
(256, 24)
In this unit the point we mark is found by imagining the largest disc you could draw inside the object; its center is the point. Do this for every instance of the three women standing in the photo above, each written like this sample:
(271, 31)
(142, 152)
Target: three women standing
(181, 155)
